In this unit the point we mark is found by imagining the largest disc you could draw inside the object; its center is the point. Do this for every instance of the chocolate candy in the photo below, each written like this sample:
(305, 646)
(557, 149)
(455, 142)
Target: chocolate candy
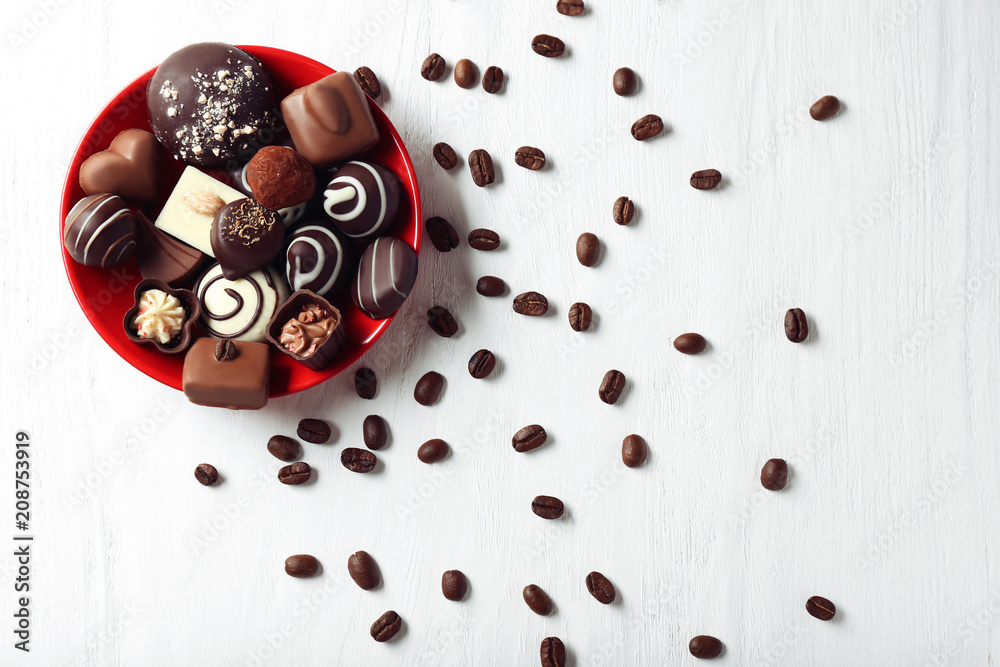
(330, 120)
(315, 260)
(100, 231)
(245, 237)
(362, 199)
(130, 168)
(211, 103)
(386, 275)
(226, 374)
(279, 177)
(162, 316)
(239, 309)
(309, 329)
(188, 213)
(162, 257)
(289, 215)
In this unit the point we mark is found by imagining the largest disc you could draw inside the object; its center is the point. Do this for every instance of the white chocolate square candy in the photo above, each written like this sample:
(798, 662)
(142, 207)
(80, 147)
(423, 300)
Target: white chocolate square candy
(191, 207)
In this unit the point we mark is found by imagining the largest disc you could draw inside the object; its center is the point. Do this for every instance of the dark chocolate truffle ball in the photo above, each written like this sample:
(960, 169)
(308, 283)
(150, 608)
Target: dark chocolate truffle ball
(100, 231)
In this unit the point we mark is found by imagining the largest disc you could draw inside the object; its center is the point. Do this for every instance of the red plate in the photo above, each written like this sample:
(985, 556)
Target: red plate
(106, 296)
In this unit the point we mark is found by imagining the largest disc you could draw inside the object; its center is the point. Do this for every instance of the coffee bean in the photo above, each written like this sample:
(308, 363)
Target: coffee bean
(528, 438)
(428, 388)
(441, 233)
(284, 448)
(690, 343)
(454, 585)
(624, 81)
(301, 566)
(481, 166)
(491, 286)
(588, 249)
(580, 316)
(623, 210)
(774, 475)
(225, 350)
(537, 600)
(368, 81)
(796, 325)
(375, 432)
(466, 74)
(442, 321)
(365, 383)
(445, 155)
(647, 127)
(548, 46)
(547, 507)
(531, 303)
(820, 608)
(386, 627)
(706, 179)
(569, 7)
(363, 570)
(612, 387)
(433, 451)
(481, 364)
(206, 474)
(484, 239)
(493, 80)
(705, 647)
(529, 157)
(633, 451)
(825, 107)
(358, 460)
(297, 473)
(553, 652)
(602, 589)
(432, 68)
(315, 431)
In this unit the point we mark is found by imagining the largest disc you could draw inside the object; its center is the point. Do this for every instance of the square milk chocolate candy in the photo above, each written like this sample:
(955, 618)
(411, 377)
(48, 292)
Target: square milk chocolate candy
(330, 120)
(191, 207)
(222, 373)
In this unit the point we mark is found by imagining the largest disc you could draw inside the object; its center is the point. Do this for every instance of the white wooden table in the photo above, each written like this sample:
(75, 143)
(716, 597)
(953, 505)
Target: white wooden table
(882, 224)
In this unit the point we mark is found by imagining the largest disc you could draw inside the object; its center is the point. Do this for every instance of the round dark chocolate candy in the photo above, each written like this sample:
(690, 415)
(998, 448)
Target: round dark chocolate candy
(289, 215)
(100, 231)
(211, 104)
(315, 260)
(245, 237)
(362, 199)
(385, 277)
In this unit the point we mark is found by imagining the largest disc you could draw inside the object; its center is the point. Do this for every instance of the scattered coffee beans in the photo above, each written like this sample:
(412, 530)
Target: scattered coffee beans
(481, 364)
(445, 155)
(466, 75)
(548, 46)
(705, 647)
(363, 570)
(774, 475)
(531, 303)
(569, 7)
(358, 460)
(690, 343)
(441, 233)
(706, 179)
(553, 652)
(633, 451)
(432, 68)
(386, 627)
(820, 608)
(529, 157)
(796, 326)
(612, 387)
(491, 286)
(433, 451)
(428, 388)
(825, 107)
(588, 249)
(297, 473)
(301, 566)
(375, 432)
(537, 600)
(454, 585)
(647, 127)
(624, 81)
(206, 474)
(528, 438)
(315, 431)
(365, 383)
(442, 321)
(623, 210)
(602, 589)
(368, 81)
(493, 80)
(481, 166)
(484, 239)
(284, 448)
(580, 316)
(547, 507)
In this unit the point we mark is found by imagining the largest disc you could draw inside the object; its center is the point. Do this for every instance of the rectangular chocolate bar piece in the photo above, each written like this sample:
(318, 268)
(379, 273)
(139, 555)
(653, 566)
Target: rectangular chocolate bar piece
(227, 374)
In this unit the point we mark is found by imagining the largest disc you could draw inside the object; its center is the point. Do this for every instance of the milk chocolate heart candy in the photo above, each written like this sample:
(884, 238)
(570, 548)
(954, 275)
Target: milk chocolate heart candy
(129, 168)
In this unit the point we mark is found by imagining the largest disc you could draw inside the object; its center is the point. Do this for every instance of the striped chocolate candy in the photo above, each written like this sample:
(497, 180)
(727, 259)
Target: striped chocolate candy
(362, 199)
(315, 260)
(100, 231)
(385, 277)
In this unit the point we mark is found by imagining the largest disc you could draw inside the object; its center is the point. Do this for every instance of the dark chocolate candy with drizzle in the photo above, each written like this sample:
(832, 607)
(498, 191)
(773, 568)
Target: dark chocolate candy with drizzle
(245, 237)
(316, 260)
(100, 231)
(385, 277)
(362, 199)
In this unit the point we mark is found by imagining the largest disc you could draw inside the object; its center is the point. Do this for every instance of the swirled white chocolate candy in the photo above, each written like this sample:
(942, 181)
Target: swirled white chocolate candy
(160, 317)
(385, 277)
(240, 309)
(362, 199)
(315, 260)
